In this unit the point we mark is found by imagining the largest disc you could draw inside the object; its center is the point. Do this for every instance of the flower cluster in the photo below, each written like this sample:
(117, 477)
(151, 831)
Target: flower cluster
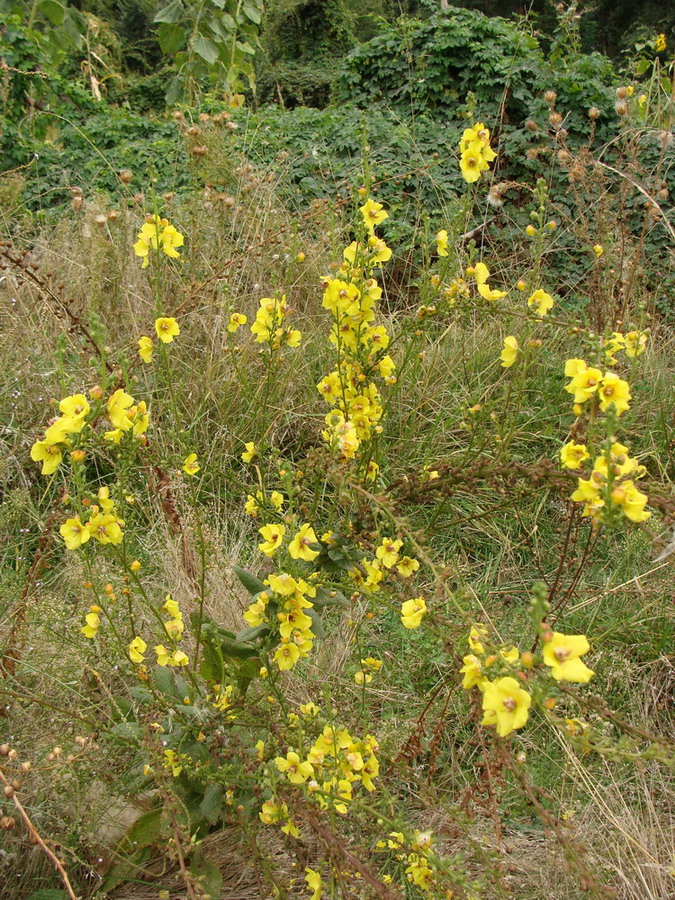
(157, 234)
(589, 382)
(333, 767)
(60, 433)
(611, 483)
(360, 344)
(416, 855)
(500, 675)
(475, 152)
(103, 524)
(369, 575)
(126, 416)
(269, 327)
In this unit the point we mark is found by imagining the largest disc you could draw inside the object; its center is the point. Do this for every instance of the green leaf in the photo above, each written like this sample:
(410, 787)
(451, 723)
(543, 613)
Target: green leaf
(245, 47)
(250, 582)
(317, 626)
(128, 730)
(205, 48)
(329, 598)
(210, 878)
(252, 11)
(53, 10)
(164, 682)
(170, 13)
(211, 803)
(250, 634)
(174, 90)
(171, 37)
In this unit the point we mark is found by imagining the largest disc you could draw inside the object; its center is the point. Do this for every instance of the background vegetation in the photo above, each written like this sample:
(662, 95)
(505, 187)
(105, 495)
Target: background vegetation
(255, 128)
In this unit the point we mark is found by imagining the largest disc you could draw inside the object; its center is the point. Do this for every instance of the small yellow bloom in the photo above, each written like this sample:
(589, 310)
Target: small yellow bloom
(660, 43)
(167, 329)
(300, 546)
(236, 321)
(273, 536)
(473, 672)
(313, 881)
(373, 214)
(542, 302)
(442, 242)
(614, 391)
(598, 249)
(572, 455)
(506, 705)
(48, 454)
(190, 464)
(136, 650)
(74, 533)
(145, 348)
(286, 656)
(636, 342)
(562, 653)
(509, 352)
(249, 452)
(412, 612)
(407, 566)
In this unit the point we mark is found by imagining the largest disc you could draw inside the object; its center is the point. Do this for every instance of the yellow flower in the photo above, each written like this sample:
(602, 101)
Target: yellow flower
(598, 249)
(74, 409)
(286, 656)
(380, 251)
(509, 352)
(157, 234)
(562, 653)
(489, 293)
(74, 533)
(636, 342)
(387, 552)
(631, 500)
(300, 546)
(273, 536)
(167, 658)
(172, 761)
(48, 454)
(136, 650)
(506, 705)
(373, 214)
(105, 527)
(471, 163)
(530, 231)
(93, 621)
(542, 302)
(145, 348)
(442, 242)
(584, 383)
(660, 43)
(190, 464)
(406, 566)
(167, 329)
(249, 452)
(473, 672)
(476, 633)
(480, 272)
(614, 391)
(412, 612)
(119, 404)
(236, 321)
(572, 455)
(313, 881)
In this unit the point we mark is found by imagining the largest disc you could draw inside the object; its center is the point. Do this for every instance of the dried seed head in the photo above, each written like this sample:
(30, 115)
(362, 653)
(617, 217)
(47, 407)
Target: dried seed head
(550, 97)
(126, 175)
(621, 108)
(594, 113)
(621, 93)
